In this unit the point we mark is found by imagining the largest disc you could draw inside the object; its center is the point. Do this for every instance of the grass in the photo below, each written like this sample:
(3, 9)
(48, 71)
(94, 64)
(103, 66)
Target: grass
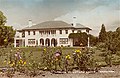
(34, 56)
(36, 51)
(37, 54)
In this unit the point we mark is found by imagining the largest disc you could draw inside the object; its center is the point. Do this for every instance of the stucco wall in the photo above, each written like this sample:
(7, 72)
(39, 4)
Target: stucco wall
(56, 36)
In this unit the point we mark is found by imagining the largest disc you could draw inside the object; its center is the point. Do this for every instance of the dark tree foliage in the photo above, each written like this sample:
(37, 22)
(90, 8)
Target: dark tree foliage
(2, 19)
(93, 40)
(6, 35)
(6, 32)
(102, 34)
(83, 38)
(113, 40)
(118, 30)
(111, 46)
(118, 37)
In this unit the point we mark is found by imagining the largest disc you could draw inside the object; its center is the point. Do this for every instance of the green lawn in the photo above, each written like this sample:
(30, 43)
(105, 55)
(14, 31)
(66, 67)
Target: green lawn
(37, 53)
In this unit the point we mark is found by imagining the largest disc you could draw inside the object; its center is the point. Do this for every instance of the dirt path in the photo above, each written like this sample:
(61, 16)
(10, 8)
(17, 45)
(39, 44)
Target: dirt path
(97, 75)
(114, 72)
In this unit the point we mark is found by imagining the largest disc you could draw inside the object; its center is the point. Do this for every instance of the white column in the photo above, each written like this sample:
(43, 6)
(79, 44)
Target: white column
(38, 42)
(14, 42)
(44, 42)
(58, 42)
(88, 42)
(26, 42)
(71, 42)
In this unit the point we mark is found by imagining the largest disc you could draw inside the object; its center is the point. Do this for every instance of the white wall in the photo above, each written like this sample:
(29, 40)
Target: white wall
(38, 36)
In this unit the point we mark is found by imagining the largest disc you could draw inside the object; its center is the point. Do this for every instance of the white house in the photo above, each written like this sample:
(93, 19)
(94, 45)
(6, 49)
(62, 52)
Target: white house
(48, 33)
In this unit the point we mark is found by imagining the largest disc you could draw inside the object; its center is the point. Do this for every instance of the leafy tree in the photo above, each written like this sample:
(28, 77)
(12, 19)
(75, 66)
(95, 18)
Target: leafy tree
(6, 32)
(108, 58)
(111, 46)
(83, 38)
(6, 35)
(113, 41)
(93, 40)
(2, 19)
(118, 37)
(102, 34)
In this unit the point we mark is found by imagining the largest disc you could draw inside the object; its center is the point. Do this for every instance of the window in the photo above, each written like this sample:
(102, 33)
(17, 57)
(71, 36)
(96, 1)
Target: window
(66, 31)
(87, 30)
(33, 32)
(63, 40)
(47, 32)
(41, 32)
(23, 34)
(53, 31)
(79, 31)
(28, 32)
(72, 31)
(31, 41)
(60, 31)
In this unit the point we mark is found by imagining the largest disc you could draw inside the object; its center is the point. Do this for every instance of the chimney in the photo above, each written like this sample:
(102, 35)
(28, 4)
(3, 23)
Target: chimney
(30, 23)
(74, 21)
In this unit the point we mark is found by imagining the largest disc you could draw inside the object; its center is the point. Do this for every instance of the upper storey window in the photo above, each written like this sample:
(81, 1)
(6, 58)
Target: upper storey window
(79, 31)
(53, 31)
(23, 34)
(41, 32)
(60, 31)
(66, 31)
(28, 32)
(47, 32)
(72, 31)
(33, 32)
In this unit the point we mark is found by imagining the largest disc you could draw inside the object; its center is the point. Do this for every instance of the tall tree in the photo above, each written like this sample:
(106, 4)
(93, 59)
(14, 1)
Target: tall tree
(6, 32)
(113, 40)
(102, 34)
(118, 36)
(2, 19)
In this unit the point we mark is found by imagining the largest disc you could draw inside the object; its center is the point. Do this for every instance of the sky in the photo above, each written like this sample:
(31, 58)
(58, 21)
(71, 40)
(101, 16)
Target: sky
(91, 13)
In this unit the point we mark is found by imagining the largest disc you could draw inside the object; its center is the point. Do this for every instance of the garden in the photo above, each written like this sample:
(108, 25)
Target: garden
(32, 61)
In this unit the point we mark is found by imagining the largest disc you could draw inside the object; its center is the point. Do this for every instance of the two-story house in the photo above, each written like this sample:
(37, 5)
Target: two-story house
(48, 33)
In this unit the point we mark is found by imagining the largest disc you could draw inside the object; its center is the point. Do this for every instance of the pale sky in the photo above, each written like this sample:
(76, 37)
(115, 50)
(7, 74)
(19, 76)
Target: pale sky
(91, 13)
